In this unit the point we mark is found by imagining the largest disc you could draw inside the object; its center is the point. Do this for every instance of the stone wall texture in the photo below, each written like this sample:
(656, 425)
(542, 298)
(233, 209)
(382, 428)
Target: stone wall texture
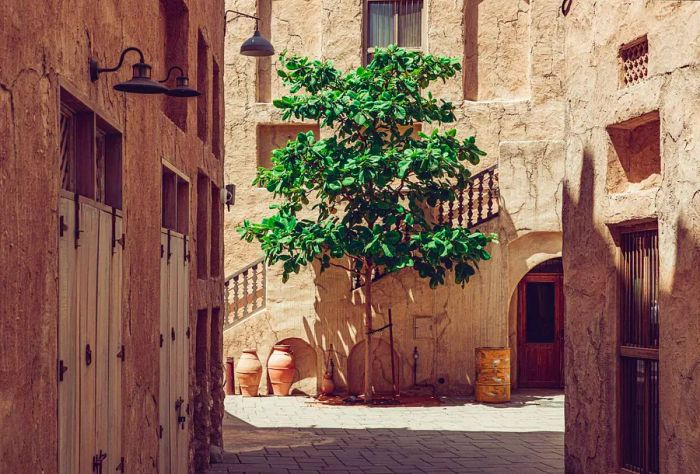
(597, 202)
(510, 97)
(46, 46)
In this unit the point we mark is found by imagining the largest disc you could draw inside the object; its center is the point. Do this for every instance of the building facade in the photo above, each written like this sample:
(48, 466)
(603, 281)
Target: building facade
(632, 237)
(111, 240)
(511, 97)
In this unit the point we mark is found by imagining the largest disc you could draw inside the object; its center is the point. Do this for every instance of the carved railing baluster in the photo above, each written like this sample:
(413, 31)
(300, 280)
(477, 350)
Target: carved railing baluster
(441, 213)
(450, 213)
(480, 198)
(248, 286)
(254, 302)
(460, 208)
(470, 205)
(489, 210)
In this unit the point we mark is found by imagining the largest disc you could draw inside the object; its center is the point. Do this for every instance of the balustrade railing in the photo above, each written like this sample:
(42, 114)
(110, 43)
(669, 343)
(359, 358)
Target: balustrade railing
(476, 204)
(245, 292)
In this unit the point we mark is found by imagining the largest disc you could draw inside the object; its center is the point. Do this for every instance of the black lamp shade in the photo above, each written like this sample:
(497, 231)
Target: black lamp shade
(141, 82)
(182, 88)
(256, 45)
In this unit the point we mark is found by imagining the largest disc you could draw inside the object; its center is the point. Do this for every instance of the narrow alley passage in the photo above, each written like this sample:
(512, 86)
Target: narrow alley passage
(297, 434)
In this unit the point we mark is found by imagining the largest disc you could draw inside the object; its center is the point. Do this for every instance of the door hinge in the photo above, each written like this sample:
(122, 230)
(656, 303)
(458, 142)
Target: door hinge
(162, 340)
(122, 353)
(120, 467)
(161, 250)
(62, 226)
(187, 333)
(97, 461)
(88, 355)
(186, 253)
(62, 368)
(160, 431)
(76, 230)
(172, 334)
(170, 254)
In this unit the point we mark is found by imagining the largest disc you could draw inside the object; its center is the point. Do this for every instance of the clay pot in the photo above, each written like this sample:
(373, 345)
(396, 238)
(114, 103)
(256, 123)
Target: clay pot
(249, 372)
(281, 369)
(327, 385)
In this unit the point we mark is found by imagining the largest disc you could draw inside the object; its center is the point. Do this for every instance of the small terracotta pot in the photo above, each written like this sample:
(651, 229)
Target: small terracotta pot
(281, 369)
(327, 385)
(249, 372)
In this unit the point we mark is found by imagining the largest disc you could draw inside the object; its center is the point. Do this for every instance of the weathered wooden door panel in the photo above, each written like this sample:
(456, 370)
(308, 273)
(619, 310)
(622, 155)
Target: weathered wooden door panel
(165, 344)
(174, 356)
(87, 311)
(540, 331)
(89, 338)
(68, 360)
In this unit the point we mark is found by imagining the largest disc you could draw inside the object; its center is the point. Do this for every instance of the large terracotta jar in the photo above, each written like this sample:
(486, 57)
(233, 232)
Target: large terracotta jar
(249, 372)
(281, 369)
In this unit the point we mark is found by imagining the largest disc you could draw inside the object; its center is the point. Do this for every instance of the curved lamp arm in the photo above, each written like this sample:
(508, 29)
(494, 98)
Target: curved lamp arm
(95, 70)
(238, 15)
(182, 73)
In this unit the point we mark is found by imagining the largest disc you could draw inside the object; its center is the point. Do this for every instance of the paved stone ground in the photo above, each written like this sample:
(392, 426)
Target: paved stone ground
(297, 434)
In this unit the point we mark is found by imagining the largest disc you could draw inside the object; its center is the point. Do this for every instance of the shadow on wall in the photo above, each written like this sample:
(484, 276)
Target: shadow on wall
(589, 334)
(306, 379)
(381, 368)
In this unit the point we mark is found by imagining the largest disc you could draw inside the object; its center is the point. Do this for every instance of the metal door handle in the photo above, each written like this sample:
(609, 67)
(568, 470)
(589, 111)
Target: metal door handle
(88, 354)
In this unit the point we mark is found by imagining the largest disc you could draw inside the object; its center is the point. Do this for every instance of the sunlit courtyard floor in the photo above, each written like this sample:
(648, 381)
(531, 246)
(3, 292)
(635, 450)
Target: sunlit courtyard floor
(298, 434)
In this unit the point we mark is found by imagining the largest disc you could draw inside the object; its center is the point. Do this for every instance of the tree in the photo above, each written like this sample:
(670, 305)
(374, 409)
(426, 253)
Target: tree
(373, 168)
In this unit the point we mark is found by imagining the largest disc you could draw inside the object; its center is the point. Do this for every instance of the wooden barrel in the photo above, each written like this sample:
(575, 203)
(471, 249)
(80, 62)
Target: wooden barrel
(492, 375)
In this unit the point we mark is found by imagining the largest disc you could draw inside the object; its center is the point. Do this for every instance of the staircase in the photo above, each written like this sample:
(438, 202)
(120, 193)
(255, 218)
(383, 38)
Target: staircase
(245, 293)
(476, 204)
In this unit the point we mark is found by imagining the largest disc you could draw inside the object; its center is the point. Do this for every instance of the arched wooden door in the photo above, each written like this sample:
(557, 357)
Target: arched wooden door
(541, 328)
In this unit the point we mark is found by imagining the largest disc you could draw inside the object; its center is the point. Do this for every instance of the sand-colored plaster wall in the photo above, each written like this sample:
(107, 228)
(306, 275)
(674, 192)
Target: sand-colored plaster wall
(595, 31)
(45, 46)
(520, 125)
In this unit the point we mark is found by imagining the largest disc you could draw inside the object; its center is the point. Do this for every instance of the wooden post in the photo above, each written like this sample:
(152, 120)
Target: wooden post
(368, 332)
(391, 348)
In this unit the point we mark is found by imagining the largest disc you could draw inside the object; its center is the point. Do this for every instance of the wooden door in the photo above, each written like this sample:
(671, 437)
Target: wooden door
(540, 331)
(89, 338)
(174, 355)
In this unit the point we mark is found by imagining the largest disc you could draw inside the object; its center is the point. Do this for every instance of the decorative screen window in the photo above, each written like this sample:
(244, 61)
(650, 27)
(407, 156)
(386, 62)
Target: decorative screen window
(634, 58)
(639, 351)
(397, 22)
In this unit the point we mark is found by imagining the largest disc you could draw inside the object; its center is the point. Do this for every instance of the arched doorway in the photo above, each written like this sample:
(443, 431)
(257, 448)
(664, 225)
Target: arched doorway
(541, 326)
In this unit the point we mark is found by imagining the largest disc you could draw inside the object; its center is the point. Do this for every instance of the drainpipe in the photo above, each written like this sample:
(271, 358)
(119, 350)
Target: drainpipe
(416, 356)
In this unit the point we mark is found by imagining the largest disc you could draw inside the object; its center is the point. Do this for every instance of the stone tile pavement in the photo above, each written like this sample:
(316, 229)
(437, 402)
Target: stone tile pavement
(297, 434)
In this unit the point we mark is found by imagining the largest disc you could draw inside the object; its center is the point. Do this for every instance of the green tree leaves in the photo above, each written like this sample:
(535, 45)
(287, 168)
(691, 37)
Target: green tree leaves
(363, 193)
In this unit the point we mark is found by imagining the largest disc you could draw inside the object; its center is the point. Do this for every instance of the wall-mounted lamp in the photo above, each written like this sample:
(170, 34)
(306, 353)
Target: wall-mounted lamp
(228, 196)
(256, 45)
(182, 85)
(140, 82)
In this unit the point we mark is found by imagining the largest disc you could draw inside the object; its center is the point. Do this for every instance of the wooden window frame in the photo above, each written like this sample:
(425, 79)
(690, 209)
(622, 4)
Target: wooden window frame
(367, 50)
(88, 123)
(634, 353)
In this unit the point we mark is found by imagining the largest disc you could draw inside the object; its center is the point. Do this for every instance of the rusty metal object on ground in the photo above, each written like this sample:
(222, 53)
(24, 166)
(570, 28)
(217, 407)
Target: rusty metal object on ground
(492, 375)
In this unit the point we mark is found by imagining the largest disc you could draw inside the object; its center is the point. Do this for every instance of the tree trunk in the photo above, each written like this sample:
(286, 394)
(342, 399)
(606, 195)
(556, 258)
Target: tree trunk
(368, 333)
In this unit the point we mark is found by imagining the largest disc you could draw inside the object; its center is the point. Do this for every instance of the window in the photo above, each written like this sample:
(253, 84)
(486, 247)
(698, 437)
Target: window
(215, 110)
(176, 17)
(202, 87)
(175, 201)
(215, 248)
(393, 22)
(90, 154)
(203, 191)
(639, 350)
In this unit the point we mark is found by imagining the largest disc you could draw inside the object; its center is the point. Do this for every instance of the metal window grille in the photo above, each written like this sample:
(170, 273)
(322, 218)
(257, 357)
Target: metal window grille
(639, 351)
(393, 22)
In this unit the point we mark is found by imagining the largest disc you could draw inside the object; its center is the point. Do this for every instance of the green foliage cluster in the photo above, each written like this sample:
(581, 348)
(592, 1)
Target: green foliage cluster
(368, 186)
